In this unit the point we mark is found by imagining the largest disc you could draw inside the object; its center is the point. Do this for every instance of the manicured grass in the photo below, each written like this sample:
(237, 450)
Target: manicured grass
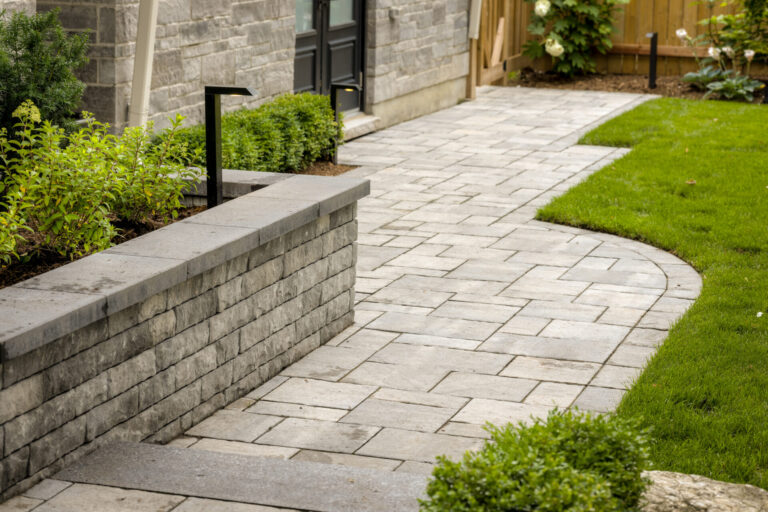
(705, 393)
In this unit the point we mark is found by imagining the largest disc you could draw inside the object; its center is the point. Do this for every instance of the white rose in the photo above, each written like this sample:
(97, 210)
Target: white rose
(749, 55)
(553, 48)
(713, 52)
(682, 34)
(542, 7)
(729, 51)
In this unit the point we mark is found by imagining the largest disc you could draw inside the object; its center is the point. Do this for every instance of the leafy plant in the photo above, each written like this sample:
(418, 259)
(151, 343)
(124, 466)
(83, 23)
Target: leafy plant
(284, 135)
(746, 30)
(571, 31)
(572, 462)
(64, 192)
(148, 182)
(706, 75)
(735, 88)
(37, 62)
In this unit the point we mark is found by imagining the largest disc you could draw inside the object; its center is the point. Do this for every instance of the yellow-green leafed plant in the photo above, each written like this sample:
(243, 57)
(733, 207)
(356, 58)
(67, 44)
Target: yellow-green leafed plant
(62, 193)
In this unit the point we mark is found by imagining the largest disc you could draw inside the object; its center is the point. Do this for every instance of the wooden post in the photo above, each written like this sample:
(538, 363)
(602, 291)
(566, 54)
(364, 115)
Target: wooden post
(472, 77)
(473, 33)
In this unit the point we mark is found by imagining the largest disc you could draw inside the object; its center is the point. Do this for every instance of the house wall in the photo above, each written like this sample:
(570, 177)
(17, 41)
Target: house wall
(416, 61)
(18, 5)
(418, 56)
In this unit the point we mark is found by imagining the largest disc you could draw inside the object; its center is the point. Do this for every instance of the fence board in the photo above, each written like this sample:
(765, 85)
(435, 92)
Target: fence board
(629, 56)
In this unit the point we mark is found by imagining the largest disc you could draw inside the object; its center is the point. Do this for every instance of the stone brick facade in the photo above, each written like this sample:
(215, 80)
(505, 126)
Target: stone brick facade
(417, 53)
(413, 45)
(18, 5)
(154, 369)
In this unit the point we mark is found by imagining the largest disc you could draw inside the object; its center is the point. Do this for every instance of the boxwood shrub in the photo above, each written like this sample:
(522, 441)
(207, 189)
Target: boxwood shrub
(571, 462)
(286, 134)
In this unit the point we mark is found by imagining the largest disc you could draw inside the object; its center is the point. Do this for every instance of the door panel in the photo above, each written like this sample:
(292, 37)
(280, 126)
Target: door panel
(329, 47)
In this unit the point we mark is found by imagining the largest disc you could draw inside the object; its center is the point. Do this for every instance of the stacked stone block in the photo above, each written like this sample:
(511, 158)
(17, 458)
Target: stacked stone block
(153, 370)
(415, 44)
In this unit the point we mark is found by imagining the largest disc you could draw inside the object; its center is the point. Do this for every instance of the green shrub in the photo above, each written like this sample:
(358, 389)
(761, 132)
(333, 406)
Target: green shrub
(571, 31)
(63, 192)
(284, 135)
(37, 62)
(572, 462)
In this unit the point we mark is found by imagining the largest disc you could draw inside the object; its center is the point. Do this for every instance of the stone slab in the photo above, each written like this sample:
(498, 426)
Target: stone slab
(243, 479)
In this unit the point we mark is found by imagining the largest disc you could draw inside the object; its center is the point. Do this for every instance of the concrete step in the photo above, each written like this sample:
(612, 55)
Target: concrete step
(254, 480)
(359, 124)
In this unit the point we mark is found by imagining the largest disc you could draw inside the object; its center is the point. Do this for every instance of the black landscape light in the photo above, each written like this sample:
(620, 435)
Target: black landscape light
(213, 95)
(335, 88)
(654, 37)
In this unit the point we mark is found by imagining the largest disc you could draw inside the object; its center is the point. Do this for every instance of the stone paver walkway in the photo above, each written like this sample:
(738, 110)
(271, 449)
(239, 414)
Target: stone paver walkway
(468, 309)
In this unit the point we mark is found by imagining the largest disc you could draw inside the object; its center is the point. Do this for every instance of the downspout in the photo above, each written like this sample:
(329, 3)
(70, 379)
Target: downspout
(473, 31)
(138, 111)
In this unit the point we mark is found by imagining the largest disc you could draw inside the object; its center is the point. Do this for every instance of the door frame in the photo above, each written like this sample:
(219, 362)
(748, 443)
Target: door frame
(362, 36)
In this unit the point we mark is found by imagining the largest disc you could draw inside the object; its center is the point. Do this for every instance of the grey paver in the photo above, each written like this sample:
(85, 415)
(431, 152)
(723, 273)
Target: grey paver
(475, 385)
(326, 436)
(97, 498)
(585, 331)
(447, 327)
(409, 297)
(437, 341)
(631, 355)
(20, 504)
(320, 393)
(251, 449)
(482, 410)
(205, 505)
(555, 348)
(345, 459)
(555, 370)
(417, 446)
(46, 489)
(554, 394)
(480, 312)
(407, 377)
(296, 411)
(562, 311)
(386, 413)
(441, 357)
(599, 399)
(620, 377)
(233, 426)
(421, 398)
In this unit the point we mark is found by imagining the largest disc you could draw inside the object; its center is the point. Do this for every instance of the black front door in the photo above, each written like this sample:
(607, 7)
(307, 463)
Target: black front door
(329, 47)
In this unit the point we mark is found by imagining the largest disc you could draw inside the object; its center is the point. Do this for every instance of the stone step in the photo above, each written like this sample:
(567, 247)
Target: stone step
(290, 484)
(359, 124)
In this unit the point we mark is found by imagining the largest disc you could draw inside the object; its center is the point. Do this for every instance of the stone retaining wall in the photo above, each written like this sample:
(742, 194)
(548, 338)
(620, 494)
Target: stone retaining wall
(200, 329)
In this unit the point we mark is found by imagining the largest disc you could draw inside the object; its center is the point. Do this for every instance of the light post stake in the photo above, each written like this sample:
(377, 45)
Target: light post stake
(213, 137)
(654, 36)
(335, 88)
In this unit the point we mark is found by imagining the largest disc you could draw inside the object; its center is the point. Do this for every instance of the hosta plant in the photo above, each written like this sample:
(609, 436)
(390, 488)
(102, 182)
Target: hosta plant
(741, 88)
(706, 75)
(571, 31)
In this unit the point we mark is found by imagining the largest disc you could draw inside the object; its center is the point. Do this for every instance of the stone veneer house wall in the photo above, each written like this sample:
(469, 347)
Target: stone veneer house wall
(415, 60)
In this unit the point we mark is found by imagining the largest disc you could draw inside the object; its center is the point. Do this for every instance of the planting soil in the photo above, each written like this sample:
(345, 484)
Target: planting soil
(324, 168)
(669, 86)
(44, 262)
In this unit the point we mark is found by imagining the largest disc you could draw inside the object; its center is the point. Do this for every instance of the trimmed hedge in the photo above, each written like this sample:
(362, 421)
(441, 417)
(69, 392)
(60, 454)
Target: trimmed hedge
(284, 135)
(572, 462)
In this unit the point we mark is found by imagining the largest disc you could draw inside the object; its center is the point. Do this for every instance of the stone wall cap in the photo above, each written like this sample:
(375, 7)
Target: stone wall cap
(39, 310)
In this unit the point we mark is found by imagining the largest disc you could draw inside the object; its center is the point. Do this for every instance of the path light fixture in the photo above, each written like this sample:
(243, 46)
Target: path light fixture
(213, 95)
(654, 37)
(335, 89)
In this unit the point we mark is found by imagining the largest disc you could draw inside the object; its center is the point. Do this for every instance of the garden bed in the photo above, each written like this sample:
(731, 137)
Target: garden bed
(668, 86)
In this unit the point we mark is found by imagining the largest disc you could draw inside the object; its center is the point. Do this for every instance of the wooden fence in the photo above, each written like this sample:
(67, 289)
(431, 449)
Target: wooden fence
(503, 31)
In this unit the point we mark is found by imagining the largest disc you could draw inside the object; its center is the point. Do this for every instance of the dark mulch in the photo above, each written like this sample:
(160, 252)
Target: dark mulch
(47, 261)
(670, 86)
(322, 168)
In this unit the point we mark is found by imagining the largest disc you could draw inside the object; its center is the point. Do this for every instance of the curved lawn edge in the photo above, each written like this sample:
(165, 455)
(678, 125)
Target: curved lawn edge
(694, 184)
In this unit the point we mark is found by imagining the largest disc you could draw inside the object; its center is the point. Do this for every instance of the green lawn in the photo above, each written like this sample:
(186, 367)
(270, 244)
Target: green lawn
(705, 394)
